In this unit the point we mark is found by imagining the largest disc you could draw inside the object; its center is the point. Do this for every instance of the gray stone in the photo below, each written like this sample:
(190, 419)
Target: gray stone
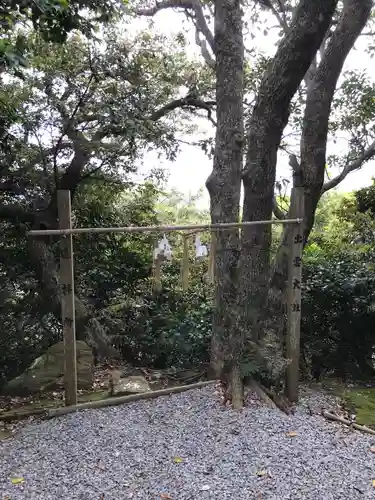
(130, 385)
(47, 371)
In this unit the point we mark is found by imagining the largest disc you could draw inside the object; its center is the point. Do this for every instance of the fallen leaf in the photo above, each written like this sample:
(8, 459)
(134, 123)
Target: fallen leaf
(178, 460)
(291, 434)
(17, 480)
(373, 483)
(372, 449)
(261, 473)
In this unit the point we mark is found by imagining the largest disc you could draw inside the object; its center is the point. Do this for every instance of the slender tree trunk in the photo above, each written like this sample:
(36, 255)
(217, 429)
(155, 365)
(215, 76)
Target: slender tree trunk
(224, 186)
(270, 116)
(318, 106)
(314, 138)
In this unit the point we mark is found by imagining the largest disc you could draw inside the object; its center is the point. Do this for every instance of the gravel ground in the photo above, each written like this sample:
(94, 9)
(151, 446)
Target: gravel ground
(186, 446)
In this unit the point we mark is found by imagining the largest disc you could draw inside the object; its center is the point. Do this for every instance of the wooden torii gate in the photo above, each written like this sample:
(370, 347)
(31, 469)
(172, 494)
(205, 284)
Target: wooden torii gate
(66, 231)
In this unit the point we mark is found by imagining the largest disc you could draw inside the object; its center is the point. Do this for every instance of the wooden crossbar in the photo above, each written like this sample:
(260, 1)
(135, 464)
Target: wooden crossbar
(158, 229)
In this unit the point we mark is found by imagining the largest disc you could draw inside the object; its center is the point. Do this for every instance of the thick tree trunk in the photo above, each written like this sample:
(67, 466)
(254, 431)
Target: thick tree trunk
(270, 116)
(314, 137)
(224, 186)
(87, 326)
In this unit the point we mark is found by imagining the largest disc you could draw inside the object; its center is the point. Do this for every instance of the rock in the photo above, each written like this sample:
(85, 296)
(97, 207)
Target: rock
(130, 385)
(47, 371)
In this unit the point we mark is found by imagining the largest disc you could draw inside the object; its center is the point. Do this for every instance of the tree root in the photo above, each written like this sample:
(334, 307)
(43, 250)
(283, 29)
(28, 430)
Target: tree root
(262, 395)
(280, 401)
(341, 420)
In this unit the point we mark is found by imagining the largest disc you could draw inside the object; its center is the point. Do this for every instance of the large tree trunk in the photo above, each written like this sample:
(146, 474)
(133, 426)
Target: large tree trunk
(314, 138)
(270, 116)
(224, 186)
(45, 265)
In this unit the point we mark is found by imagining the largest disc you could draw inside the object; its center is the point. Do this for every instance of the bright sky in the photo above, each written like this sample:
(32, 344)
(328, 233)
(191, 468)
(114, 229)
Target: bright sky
(192, 167)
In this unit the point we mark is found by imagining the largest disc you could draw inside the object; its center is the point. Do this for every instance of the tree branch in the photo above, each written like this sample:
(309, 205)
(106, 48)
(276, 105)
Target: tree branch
(182, 103)
(202, 26)
(68, 123)
(281, 18)
(72, 175)
(16, 213)
(200, 21)
(210, 61)
(277, 211)
(367, 155)
(164, 4)
(83, 147)
(15, 185)
(309, 25)
(43, 158)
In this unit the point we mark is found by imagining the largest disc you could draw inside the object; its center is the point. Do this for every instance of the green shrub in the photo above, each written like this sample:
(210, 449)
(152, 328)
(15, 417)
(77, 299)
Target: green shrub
(338, 315)
(171, 328)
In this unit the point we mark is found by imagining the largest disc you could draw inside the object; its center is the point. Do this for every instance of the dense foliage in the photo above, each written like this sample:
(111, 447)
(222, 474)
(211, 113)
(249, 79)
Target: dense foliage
(80, 116)
(339, 290)
(338, 314)
(173, 328)
(52, 19)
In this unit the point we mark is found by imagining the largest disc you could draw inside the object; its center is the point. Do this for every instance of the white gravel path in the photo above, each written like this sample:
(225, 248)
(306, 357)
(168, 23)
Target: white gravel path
(127, 452)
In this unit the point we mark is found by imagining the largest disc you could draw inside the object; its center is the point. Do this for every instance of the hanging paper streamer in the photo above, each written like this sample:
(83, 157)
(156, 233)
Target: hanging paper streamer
(185, 263)
(211, 259)
(162, 252)
(164, 248)
(200, 249)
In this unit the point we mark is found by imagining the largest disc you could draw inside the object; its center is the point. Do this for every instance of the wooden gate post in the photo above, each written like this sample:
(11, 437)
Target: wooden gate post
(185, 263)
(294, 295)
(67, 298)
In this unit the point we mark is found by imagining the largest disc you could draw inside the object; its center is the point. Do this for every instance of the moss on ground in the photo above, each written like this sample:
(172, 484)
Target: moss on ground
(358, 398)
(4, 434)
(11, 421)
(93, 396)
(363, 400)
(35, 408)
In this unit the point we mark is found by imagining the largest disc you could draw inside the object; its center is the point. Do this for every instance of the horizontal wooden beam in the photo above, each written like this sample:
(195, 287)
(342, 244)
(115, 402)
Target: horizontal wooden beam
(119, 400)
(158, 229)
(336, 418)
